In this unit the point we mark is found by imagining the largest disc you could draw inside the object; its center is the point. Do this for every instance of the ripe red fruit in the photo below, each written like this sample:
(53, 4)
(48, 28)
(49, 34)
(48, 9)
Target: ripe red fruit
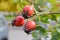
(29, 10)
(19, 21)
(30, 25)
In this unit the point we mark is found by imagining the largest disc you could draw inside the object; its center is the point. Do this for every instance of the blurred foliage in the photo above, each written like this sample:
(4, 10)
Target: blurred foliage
(39, 5)
(7, 5)
(12, 5)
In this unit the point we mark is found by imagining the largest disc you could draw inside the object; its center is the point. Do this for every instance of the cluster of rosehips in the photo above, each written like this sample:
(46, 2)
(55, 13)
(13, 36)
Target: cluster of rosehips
(19, 20)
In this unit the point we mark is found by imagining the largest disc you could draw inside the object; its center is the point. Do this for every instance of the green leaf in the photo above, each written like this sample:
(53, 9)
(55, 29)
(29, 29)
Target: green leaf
(40, 2)
(53, 17)
(37, 9)
(44, 18)
(41, 29)
(56, 36)
(38, 33)
(39, 5)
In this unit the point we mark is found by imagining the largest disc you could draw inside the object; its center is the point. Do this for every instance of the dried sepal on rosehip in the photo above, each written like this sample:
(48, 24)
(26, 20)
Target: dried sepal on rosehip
(13, 23)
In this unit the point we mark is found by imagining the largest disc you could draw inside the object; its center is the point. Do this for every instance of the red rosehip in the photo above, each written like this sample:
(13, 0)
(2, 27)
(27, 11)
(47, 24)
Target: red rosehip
(29, 10)
(30, 25)
(19, 21)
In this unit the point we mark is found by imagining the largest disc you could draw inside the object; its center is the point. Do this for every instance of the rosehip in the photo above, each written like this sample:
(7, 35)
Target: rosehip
(19, 21)
(28, 11)
(29, 26)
